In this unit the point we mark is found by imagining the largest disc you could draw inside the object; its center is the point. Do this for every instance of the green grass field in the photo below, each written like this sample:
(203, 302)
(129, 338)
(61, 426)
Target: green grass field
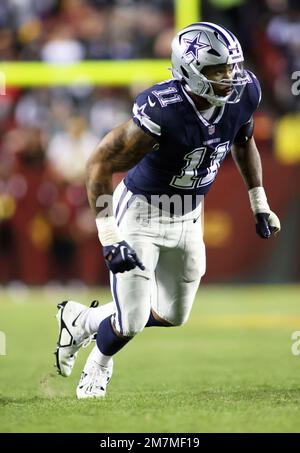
(229, 369)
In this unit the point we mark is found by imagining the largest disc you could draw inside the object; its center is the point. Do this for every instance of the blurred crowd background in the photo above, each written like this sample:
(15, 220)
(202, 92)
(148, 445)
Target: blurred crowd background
(47, 231)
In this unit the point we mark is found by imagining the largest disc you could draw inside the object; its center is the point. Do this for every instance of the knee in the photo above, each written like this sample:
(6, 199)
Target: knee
(135, 323)
(179, 322)
(178, 319)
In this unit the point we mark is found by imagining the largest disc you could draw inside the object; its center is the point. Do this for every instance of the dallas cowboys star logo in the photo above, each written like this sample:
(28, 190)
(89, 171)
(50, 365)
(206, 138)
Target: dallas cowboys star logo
(140, 111)
(195, 44)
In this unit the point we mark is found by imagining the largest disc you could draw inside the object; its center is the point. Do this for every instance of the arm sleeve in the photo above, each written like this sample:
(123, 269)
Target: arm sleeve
(254, 95)
(147, 115)
(245, 132)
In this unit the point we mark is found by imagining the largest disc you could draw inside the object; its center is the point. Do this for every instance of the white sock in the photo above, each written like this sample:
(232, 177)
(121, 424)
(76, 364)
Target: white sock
(92, 317)
(97, 356)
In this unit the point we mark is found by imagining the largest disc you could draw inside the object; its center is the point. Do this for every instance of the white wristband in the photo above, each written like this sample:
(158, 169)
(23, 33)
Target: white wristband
(258, 200)
(108, 231)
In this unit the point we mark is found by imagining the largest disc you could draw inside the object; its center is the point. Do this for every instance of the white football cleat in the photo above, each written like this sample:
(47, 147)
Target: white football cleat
(71, 335)
(94, 380)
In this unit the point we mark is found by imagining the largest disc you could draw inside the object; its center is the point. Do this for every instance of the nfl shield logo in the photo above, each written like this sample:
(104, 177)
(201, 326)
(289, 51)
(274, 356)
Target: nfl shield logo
(211, 129)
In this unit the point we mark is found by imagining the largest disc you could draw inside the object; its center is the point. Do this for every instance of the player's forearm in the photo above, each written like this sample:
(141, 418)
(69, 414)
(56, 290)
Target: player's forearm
(99, 191)
(107, 159)
(248, 162)
(99, 183)
(118, 151)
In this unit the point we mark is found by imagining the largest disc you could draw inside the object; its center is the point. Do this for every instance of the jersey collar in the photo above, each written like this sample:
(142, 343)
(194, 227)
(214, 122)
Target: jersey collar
(216, 116)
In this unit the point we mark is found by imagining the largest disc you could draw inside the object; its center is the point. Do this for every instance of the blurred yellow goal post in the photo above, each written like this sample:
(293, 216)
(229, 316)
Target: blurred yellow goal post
(103, 72)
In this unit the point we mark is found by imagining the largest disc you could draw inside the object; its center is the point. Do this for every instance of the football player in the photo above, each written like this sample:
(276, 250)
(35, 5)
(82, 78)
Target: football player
(180, 133)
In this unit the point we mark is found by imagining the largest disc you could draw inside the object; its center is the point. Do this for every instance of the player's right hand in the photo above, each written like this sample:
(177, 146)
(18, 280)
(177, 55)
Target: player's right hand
(120, 257)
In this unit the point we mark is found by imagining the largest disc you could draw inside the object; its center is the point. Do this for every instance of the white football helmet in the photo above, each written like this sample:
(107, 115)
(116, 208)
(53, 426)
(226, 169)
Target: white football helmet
(204, 44)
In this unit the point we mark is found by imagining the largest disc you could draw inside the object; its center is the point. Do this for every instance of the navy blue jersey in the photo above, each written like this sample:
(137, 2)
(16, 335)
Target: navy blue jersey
(191, 148)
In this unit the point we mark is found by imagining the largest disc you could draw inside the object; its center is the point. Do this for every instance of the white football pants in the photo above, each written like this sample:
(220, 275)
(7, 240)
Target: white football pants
(173, 252)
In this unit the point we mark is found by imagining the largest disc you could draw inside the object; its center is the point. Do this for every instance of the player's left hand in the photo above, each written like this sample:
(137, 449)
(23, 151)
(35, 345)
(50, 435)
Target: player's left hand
(267, 223)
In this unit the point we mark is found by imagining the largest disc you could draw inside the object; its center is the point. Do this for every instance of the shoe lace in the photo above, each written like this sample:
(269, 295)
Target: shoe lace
(99, 376)
(87, 341)
(92, 337)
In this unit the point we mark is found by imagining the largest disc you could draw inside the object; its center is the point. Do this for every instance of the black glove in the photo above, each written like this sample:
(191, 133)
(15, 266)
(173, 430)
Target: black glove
(120, 257)
(267, 224)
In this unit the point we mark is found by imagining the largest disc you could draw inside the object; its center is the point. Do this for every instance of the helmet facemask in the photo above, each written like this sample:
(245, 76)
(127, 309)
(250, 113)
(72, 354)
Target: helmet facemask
(207, 88)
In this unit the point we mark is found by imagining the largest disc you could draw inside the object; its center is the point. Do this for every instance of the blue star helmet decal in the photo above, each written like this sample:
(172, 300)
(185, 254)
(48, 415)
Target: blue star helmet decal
(199, 42)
